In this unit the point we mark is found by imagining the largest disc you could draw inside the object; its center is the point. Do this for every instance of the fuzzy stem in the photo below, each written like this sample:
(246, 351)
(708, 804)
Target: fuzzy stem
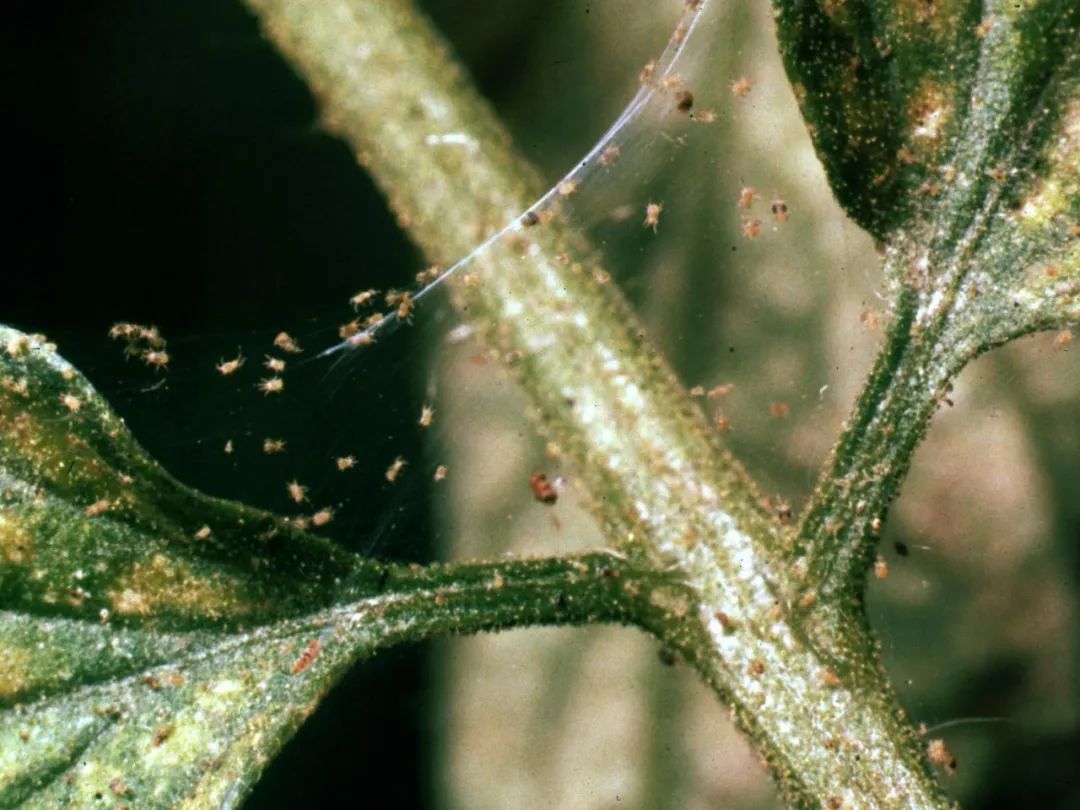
(662, 488)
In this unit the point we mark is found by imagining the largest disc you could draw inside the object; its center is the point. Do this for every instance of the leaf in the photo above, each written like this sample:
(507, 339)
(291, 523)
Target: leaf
(950, 130)
(156, 645)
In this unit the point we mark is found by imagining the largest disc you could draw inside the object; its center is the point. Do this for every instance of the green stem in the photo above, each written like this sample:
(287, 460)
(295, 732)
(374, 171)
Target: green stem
(839, 528)
(661, 486)
(413, 603)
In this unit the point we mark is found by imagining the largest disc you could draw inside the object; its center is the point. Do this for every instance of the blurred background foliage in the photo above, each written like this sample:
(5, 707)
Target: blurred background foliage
(172, 170)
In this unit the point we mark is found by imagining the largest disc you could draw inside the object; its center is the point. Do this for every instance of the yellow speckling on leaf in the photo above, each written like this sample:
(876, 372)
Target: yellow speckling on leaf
(166, 584)
(16, 547)
(929, 113)
(14, 666)
(1060, 186)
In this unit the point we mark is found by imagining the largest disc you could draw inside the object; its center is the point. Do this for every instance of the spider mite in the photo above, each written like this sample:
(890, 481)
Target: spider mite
(568, 187)
(779, 210)
(751, 228)
(652, 216)
(271, 446)
(307, 657)
(440, 472)
(394, 470)
(402, 301)
(427, 413)
(938, 754)
(156, 358)
(362, 298)
(429, 275)
(610, 154)
(227, 367)
(274, 364)
(543, 490)
(297, 491)
(746, 196)
(285, 342)
(345, 462)
(322, 517)
(648, 73)
(272, 385)
(741, 86)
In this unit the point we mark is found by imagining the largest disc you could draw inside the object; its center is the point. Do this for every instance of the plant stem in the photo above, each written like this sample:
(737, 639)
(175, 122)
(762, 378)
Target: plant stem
(839, 528)
(661, 486)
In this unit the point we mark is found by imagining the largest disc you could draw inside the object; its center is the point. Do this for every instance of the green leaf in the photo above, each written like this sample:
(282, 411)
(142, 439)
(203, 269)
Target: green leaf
(950, 130)
(158, 646)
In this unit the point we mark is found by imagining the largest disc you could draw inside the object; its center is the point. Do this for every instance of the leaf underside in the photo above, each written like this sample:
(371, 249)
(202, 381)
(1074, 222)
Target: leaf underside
(158, 645)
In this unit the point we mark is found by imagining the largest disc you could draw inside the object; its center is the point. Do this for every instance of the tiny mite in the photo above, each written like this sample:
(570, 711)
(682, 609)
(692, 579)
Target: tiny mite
(542, 489)
(307, 657)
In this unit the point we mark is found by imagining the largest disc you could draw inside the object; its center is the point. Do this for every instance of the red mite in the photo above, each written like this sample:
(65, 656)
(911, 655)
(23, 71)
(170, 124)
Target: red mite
(307, 657)
(542, 489)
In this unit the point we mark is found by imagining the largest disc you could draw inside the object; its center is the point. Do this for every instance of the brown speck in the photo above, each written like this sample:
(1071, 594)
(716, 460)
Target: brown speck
(779, 410)
(543, 490)
(161, 734)
(684, 101)
(783, 511)
(779, 210)
(1063, 338)
(881, 568)
(756, 668)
